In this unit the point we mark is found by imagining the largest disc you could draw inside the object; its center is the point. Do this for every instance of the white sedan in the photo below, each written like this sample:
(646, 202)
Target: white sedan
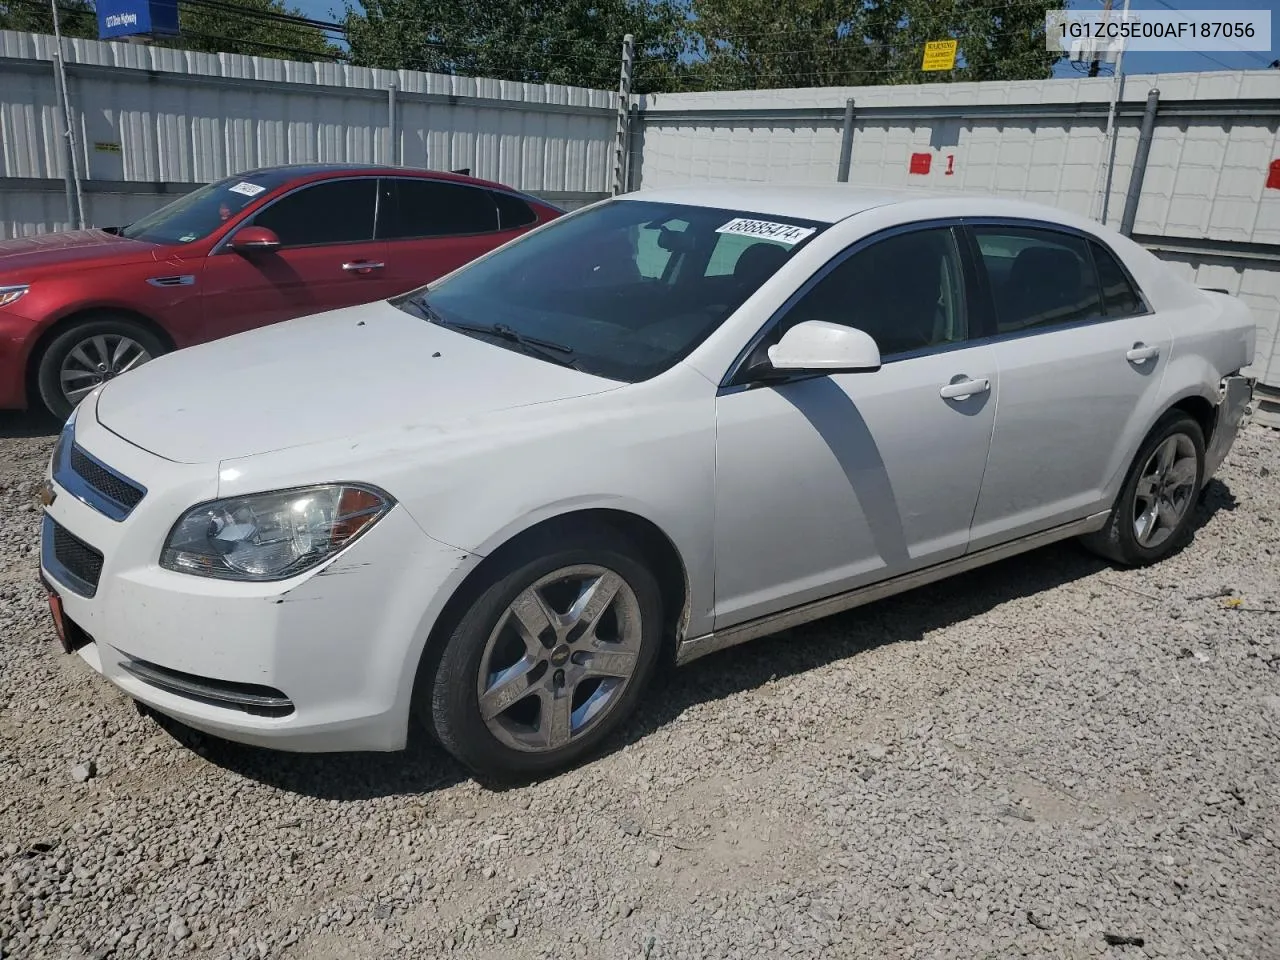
(654, 428)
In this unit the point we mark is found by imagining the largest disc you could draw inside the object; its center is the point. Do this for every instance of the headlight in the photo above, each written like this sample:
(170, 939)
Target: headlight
(12, 293)
(271, 536)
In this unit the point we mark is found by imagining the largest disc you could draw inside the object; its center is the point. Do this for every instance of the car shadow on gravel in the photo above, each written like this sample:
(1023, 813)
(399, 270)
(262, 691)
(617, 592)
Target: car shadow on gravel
(424, 767)
(18, 424)
(907, 617)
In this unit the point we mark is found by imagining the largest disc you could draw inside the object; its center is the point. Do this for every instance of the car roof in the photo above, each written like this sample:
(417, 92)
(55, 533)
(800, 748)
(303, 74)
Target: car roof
(318, 171)
(831, 202)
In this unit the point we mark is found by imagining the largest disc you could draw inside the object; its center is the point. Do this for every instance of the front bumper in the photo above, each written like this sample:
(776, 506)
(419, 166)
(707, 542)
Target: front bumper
(1235, 394)
(330, 656)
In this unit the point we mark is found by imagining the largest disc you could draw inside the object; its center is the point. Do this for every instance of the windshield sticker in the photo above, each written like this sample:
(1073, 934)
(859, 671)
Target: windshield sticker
(248, 189)
(779, 232)
(186, 238)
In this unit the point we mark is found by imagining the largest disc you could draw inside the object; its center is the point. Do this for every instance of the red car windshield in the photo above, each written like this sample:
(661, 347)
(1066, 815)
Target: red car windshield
(199, 213)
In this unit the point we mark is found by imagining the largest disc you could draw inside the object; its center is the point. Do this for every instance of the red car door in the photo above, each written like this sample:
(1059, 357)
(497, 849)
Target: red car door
(327, 258)
(435, 226)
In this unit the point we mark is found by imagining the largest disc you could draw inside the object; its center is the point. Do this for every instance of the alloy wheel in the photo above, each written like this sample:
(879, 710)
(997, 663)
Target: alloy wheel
(96, 360)
(559, 658)
(1165, 490)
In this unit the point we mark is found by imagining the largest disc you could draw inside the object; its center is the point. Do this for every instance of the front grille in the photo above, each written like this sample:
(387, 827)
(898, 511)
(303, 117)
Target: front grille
(75, 563)
(105, 480)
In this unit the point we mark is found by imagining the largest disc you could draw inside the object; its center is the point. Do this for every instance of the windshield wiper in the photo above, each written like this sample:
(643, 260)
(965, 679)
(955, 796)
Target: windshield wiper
(547, 350)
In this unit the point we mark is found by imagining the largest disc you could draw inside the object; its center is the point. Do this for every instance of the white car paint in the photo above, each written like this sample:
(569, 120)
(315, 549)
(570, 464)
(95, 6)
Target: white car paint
(772, 499)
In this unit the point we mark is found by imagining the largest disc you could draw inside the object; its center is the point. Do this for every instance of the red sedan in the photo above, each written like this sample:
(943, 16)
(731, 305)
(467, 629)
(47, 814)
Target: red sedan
(82, 307)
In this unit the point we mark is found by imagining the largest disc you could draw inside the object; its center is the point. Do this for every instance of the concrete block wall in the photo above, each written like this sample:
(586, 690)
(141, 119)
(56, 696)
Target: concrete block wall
(1215, 138)
(1206, 175)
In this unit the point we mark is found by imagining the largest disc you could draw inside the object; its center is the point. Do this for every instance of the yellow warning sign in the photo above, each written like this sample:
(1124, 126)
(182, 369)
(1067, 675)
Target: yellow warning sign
(940, 55)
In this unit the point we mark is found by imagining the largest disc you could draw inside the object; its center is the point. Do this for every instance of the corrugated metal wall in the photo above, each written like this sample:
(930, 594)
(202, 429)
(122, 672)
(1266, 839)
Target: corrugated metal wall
(168, 117)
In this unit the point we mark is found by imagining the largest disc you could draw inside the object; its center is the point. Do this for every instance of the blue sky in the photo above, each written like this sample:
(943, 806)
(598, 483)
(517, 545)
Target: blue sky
(1172, 62)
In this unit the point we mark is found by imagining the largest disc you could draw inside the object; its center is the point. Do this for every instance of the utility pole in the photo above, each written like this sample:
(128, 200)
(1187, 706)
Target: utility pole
(75, 200)
(1093, 66)
(621, 142)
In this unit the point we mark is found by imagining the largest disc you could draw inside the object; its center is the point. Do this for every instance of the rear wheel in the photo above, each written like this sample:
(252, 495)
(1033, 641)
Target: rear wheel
(1152, 516)
(88, 354)
(550, 657)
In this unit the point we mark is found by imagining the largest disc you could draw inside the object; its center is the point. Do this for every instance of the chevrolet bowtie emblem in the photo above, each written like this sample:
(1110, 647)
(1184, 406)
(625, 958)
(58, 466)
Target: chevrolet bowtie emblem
(47, 493)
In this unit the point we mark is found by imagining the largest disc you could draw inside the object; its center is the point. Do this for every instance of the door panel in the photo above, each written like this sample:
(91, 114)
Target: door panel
(327, 259)
(244, 292)
(1076, 394)
(834, 482)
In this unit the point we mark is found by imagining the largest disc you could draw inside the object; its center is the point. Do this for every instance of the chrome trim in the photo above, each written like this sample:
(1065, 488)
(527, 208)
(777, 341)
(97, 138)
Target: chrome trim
(1234, 395)
(220, 693)
(355, 266)
(56, 570)
(66, 477)
(184, 280)
(695, 647)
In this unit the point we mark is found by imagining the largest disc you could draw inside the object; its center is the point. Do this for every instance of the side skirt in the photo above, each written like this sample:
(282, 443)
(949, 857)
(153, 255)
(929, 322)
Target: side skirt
(695, 647)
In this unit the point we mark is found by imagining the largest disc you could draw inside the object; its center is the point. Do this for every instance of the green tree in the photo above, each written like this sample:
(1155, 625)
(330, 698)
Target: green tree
(576, 42)
(808, 43)
(76, 17)
(255, 27)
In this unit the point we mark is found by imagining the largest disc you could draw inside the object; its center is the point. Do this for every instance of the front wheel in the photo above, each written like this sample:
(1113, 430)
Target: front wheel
(1152, 516)
(550, 657)
(88, 354)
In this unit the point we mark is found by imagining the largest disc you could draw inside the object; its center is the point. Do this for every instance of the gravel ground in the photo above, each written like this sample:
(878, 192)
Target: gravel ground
(1048, 757)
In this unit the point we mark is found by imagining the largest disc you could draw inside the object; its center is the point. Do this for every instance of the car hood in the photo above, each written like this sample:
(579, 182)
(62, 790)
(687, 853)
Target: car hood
(69, 249)
(327, 377)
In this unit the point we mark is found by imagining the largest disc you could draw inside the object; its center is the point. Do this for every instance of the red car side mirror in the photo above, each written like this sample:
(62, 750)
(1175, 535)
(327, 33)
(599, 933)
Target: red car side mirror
(254, 240)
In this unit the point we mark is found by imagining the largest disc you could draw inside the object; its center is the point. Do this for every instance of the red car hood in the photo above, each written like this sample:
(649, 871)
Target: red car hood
(74, 247)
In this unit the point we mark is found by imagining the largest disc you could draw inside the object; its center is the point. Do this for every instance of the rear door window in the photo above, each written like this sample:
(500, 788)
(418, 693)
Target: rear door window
(1038, 277)
(418, 208)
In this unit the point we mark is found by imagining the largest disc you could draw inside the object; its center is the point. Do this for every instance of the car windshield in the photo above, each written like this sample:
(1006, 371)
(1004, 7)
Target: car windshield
(197, 214)
(624, 290)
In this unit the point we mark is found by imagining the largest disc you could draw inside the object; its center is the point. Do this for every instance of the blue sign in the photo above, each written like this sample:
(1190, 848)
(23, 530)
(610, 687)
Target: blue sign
(128, 18)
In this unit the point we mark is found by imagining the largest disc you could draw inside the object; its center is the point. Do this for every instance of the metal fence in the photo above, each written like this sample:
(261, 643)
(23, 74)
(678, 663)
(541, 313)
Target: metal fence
(150, 123)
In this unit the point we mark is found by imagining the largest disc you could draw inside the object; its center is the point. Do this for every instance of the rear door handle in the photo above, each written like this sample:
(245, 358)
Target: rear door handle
(361, 266)
(1141, 353)
(964, 389)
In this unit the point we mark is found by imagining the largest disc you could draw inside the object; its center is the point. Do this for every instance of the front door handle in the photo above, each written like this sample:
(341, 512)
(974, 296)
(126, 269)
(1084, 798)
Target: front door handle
(1141, 353)
(964, 389)
(363, 266)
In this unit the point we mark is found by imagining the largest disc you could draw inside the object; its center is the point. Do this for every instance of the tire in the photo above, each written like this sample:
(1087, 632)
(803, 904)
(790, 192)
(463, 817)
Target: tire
(96, 339)
(1128, 541)
(523, 734)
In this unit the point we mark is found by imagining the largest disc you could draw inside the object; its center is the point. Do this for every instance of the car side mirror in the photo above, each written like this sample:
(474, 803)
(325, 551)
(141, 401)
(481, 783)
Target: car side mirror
(254, 240)
(819, 346)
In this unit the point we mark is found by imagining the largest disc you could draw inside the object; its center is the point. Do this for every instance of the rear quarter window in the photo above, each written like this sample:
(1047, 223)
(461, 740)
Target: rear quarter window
(513, 213)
